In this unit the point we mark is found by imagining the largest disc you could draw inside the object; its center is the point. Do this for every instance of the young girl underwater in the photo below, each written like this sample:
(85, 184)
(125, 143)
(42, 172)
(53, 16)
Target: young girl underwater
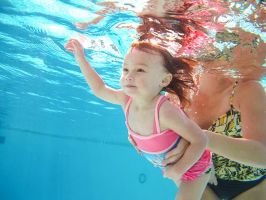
(154, 124)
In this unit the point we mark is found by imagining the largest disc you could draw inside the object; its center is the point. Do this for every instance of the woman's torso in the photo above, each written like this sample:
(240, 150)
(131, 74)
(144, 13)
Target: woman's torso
(217, 113)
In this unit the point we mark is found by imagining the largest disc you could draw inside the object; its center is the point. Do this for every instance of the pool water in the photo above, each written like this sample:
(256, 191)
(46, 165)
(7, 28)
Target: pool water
(58, 141)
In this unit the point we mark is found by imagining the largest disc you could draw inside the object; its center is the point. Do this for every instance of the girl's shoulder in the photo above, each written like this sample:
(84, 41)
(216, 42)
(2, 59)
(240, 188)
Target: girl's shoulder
(169, 110)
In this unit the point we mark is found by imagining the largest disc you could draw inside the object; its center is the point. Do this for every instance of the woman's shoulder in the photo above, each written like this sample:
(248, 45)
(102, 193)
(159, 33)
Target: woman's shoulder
(251, 91)
(249, 87)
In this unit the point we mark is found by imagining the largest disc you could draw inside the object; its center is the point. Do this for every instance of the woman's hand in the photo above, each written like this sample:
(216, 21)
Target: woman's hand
(174, 155)
(74, 46)
(171, 173)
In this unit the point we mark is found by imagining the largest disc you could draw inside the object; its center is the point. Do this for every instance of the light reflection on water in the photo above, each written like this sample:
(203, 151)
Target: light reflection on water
(37, 71)
(33, 34)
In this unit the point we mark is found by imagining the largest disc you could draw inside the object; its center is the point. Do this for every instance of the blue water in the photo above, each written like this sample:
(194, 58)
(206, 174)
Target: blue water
(57, 141)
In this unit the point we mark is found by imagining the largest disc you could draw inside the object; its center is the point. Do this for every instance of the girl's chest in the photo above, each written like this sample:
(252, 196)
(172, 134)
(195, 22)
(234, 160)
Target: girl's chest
(141, 122)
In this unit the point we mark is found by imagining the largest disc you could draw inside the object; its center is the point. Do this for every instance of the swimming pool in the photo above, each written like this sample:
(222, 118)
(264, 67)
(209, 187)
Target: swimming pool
(57, 141)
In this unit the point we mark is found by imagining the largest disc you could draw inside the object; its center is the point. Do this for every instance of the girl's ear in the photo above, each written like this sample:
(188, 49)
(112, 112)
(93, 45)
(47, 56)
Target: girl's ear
(166, 80)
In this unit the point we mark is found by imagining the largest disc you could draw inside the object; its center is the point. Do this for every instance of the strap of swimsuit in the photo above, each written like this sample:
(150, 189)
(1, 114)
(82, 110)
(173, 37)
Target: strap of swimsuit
(232, 95)
(156, 125)
(128, 101)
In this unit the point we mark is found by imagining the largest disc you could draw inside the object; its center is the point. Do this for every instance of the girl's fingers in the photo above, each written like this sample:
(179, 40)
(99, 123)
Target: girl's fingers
(179, 150)
(71, 40)
(69, 47)
(170, 160)
(174, 153)
(171, 153)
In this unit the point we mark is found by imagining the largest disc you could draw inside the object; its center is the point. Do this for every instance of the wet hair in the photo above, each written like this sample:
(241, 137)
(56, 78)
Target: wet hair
(182, 83)
(181, 36)
(160, 28)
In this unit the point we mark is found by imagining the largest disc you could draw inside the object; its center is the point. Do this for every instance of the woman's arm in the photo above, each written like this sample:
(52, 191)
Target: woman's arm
(250, 100)
(176, 154)
(92, 77)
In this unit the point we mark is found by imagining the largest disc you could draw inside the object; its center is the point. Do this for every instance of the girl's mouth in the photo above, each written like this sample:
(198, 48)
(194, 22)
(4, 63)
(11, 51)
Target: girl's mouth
(130, 86)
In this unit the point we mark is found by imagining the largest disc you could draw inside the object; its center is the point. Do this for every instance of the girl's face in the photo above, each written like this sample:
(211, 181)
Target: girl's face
(143, 73)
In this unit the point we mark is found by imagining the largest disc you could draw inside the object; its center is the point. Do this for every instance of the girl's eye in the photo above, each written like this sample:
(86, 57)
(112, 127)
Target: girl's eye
(125, 70)
(141, 70)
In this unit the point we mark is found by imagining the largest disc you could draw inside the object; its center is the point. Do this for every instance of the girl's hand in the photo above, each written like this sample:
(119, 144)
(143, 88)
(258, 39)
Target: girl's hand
(171, 173)
(74, 46)
(174, 155)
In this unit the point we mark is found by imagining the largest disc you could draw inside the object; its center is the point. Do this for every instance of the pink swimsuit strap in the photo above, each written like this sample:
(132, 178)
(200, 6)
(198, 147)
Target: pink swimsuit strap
(156, 124)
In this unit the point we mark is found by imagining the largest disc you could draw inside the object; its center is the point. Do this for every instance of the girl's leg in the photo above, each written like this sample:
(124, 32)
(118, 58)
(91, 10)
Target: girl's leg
(192, 190)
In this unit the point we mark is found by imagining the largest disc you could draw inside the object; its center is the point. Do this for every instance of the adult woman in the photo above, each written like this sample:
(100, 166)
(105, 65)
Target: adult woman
(218, 106)
(236, 123)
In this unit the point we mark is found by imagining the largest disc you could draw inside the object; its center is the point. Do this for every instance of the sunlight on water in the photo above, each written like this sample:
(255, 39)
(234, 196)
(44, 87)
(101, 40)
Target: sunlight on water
(34, 33)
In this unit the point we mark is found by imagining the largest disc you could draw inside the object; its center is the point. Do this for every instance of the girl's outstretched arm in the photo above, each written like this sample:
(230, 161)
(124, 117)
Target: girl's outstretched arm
(99, 88)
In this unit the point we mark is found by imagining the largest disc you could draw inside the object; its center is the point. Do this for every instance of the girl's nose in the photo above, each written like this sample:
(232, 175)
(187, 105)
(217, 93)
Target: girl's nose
(129, 78)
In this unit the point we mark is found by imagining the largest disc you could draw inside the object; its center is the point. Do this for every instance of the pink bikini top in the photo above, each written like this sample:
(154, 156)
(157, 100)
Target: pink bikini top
(157, 142)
